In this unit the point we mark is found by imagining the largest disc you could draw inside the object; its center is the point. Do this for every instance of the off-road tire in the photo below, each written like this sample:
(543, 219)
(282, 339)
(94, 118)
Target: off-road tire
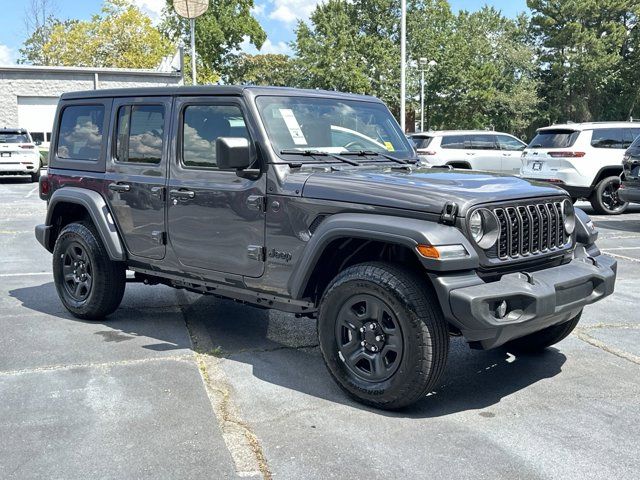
(423, 330)
(108, 278)
(538, 341)
(598, 201)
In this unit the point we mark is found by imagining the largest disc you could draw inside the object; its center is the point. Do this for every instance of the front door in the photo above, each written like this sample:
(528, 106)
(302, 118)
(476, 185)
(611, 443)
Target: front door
(136, 172)
(215, 219)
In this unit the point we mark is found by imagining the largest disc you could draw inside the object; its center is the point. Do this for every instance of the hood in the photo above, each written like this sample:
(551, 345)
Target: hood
(426, 190)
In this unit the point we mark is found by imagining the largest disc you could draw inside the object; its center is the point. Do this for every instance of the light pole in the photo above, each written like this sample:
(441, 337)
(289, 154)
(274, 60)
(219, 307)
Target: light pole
(191, 9)
(403, 60)
(423, 63)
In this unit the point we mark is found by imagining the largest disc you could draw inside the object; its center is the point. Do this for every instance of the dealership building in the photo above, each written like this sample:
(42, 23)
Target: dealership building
(29, 94)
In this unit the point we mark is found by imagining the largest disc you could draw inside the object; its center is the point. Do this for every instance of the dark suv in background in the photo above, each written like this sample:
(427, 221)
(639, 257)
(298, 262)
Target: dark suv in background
(312, 202)
(630, 186)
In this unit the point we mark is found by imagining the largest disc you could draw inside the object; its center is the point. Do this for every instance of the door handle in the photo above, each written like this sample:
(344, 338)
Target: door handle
(470, 153)
(184, 194)
(119, 187)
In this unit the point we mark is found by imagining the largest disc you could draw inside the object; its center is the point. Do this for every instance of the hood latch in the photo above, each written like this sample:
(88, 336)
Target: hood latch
(449, 212)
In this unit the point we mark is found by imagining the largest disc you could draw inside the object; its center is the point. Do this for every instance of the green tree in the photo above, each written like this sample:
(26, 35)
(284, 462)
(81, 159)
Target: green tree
(219, 32)
(352, 47)
(588, 53)
(121, 36)
(265, 69)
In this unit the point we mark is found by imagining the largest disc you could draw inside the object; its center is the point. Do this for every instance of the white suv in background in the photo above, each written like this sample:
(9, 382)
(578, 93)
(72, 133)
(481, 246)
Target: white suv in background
(19, 155)
(470, 149)
(583, 158)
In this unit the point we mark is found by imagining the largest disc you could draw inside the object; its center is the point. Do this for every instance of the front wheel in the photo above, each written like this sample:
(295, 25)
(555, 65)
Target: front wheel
(382, 335)
(88, 282)
(605, 200)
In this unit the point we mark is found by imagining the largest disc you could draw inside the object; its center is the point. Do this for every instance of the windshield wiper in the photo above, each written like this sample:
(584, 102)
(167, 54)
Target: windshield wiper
(318, 153)
(368, 153)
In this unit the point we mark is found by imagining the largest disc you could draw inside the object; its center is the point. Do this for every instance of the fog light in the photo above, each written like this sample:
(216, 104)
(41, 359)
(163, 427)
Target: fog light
(501, 310)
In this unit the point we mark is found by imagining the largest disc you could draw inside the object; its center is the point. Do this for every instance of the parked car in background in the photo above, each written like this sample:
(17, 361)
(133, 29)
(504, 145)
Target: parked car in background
(470, 149)
(19, 155)
(630, 187)
(583, 158)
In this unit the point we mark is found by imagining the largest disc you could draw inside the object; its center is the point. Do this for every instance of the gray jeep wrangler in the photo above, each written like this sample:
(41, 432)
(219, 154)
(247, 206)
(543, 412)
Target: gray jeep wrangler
(313, 203)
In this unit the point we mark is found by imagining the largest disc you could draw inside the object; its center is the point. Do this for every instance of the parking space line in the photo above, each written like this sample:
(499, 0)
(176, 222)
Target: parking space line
(622, 257)
(187, 357)
(623, 248)
(27, 274)
(35, 189)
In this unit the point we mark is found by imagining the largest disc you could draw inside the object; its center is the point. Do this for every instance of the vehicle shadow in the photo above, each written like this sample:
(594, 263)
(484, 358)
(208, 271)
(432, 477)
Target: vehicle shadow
(632, 226)
(16, 179)
(282, 350)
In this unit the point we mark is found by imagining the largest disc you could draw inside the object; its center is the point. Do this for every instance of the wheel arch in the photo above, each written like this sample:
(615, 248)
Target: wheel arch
(69, 204)
(349, 238)
(604, 172)
(460, 164)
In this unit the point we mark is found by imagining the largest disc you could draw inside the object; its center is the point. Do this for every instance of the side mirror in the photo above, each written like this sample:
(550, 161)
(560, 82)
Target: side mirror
(233, 153)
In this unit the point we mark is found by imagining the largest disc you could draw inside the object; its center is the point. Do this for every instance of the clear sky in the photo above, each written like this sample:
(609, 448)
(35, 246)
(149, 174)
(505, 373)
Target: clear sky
(278, 18)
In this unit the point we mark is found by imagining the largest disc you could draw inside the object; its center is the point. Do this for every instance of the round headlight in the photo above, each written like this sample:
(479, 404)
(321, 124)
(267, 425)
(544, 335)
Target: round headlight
(569, 215)
(484, 227)
(476, 226)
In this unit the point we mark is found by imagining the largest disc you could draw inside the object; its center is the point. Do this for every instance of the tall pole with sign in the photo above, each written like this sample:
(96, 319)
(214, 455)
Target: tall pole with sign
(191, 9)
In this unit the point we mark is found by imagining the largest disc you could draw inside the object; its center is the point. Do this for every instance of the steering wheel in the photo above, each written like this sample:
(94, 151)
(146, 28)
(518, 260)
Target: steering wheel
(353, 144)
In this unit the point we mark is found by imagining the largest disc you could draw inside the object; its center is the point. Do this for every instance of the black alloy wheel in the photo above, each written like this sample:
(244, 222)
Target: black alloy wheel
(369, 338)
(77, 271)
(605, 199)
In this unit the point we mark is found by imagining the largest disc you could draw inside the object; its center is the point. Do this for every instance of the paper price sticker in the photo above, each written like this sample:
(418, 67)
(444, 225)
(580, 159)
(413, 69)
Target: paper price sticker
(292, 124)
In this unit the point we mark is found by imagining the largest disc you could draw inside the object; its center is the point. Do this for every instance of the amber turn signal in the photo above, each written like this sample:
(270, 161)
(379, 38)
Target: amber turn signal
(428, 251)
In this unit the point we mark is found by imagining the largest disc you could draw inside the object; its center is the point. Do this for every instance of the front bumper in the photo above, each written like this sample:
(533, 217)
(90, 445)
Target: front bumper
(534, 300)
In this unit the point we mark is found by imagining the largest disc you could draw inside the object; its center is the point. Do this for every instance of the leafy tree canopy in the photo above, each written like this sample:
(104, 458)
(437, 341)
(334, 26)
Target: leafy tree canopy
(120, 36)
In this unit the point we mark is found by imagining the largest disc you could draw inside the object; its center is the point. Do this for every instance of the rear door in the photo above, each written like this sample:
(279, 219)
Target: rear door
(511, 150)
(136, 172)
(216, 220)
(483, 151)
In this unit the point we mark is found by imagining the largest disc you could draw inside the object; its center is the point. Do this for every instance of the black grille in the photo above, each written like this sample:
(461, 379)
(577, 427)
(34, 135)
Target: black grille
(530, 229)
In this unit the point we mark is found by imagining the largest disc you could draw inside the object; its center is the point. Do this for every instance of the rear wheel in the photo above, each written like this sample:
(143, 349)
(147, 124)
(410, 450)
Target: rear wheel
(382, 335)
(88, 282)
(538, 341)
(605, 200)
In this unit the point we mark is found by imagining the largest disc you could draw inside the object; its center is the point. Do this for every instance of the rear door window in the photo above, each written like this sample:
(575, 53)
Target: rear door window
(560, 138)
(140, 133)
(608, 138)
(80, 134)
(481, 142)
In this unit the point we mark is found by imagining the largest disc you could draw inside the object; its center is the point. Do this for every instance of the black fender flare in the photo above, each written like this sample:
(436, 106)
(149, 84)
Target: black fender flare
(408, 232)
(96, 206)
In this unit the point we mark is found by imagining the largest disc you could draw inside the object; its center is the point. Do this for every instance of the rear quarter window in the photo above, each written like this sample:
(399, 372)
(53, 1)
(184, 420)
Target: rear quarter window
(81, 131)
(608, 138)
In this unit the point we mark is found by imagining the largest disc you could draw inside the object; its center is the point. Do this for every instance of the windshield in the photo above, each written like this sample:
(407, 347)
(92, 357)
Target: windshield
(554, 139)
(14, 138)
(331, 125)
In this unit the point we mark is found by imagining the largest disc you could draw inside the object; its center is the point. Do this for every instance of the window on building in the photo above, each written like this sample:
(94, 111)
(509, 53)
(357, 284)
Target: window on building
(80, 136)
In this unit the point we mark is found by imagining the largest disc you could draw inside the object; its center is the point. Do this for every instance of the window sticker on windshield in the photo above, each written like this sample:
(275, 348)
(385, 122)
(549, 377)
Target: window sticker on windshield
(389, 146)
(293, 126)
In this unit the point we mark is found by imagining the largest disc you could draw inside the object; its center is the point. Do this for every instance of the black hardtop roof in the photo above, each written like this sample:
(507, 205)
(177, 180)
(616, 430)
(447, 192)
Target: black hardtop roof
(236, 90)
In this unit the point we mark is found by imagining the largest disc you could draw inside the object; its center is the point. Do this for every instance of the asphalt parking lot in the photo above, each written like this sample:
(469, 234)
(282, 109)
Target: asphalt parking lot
(177, 385)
